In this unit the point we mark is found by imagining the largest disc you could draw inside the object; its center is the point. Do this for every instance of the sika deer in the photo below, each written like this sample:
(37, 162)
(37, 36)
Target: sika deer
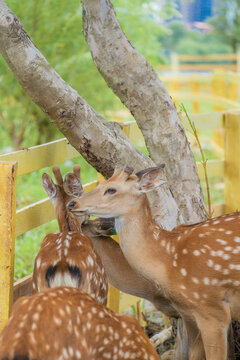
(68, 258)
(197, 266)
(119, 273)
(65, 323)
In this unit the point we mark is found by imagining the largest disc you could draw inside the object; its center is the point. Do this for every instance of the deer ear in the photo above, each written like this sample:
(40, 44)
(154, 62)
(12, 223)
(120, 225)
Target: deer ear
(72, 185)
(49, 186)
(150, 179)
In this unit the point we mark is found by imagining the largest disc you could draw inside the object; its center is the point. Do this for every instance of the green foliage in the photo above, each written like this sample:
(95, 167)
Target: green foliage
(226, 22)
(191, 42)
(55, 27)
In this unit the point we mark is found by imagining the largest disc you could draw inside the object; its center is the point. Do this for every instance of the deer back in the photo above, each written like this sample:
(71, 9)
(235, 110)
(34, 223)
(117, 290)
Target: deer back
(65, 323)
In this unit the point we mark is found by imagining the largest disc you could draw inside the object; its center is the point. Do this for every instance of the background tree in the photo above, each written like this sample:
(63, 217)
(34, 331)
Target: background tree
(226, 22)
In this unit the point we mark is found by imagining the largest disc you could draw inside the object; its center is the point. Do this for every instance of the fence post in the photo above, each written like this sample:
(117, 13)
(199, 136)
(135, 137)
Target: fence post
(195, 90)
(8, 181)
(174, 63)
(232, 162)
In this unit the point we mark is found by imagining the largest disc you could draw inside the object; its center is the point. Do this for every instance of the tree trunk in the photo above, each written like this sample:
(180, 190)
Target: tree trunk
(137, 85)
(101, 143)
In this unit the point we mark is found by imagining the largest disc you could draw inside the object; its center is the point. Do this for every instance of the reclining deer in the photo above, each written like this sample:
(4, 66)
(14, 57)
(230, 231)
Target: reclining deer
(197, 266)
(64, 322)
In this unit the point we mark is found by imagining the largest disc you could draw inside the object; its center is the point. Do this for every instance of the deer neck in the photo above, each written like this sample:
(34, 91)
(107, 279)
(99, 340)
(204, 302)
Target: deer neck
(140, 239)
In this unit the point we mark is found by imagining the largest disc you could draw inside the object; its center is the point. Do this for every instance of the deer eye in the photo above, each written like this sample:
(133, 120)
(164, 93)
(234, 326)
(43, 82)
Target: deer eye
(110, 191)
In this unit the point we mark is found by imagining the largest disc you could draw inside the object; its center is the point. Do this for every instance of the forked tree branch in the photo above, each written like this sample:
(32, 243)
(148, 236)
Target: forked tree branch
(137, 85)
(102, 144)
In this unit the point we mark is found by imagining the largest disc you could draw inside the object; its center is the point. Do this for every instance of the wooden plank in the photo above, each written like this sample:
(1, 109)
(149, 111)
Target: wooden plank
(8, 182)
(215, 168)
(206, 121)
(212, 57)
(39, 213)
(40, 156)
(215, 100)
(22, 287)
(232, 163)
(113, 298)
(218, 210)
(200, 67)
(127, 300)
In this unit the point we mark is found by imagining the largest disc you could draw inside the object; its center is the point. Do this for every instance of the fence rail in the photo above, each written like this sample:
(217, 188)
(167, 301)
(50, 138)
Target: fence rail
(41, 212)
(203, 62)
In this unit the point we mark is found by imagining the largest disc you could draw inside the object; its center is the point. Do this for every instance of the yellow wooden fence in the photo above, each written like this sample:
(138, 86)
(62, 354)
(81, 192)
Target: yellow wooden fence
(14, 223)
(205, 63)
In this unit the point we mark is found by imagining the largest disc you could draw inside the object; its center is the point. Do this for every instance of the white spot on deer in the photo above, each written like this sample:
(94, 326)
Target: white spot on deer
(237, 239)
(105, 341)
(183, 272)
(228, 248)
(221, 229)
(217, 267)
(67, 243)
(185, 251)
(57, 321)
(207, 247)
(32, 338)
(196, 253)
(203, 251)
(236, 283)
(228, 232)
(163, 243)
(206, 281)
(175, 256)
(201, 235)
(205, 225)
(155, 234)
(222, 242)
(36, 316)
(78, 354)
(214, 281)
(237, 267)
(213, 253)
(195, 280)
(38, 263)
(229, 218)
(101, 314)
(65, 252)
(174, 263)
(90, 260)
(179, 237)
(173, 249)
(216, 222)
(219, 253)
(205, 296)
(196, 295)
(235, 251)
(209, 263)
(183, 287)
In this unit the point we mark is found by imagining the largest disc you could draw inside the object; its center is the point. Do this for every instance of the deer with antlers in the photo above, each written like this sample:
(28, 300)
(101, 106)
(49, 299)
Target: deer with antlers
(65, 323)
(196, 266)
(68, 258)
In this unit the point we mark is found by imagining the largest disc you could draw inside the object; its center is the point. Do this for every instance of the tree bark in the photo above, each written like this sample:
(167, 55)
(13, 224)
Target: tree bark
(101, 143)
(137, 85)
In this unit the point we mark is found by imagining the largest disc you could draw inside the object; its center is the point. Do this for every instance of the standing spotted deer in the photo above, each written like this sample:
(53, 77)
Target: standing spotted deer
(68, 258)
(65, 323)
(197, 266)
(118, 271)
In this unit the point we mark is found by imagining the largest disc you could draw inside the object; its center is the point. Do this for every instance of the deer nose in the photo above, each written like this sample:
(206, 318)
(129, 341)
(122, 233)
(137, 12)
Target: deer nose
(71, 205)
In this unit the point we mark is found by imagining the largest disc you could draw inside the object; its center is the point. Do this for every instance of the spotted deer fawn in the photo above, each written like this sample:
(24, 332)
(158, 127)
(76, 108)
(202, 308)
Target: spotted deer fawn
(68, 258)
(197, 266)
(118, 271)
(65, 323)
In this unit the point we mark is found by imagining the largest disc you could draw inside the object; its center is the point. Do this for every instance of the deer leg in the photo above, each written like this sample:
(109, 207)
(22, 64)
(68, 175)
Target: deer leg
(195, 344)
(214, 333)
